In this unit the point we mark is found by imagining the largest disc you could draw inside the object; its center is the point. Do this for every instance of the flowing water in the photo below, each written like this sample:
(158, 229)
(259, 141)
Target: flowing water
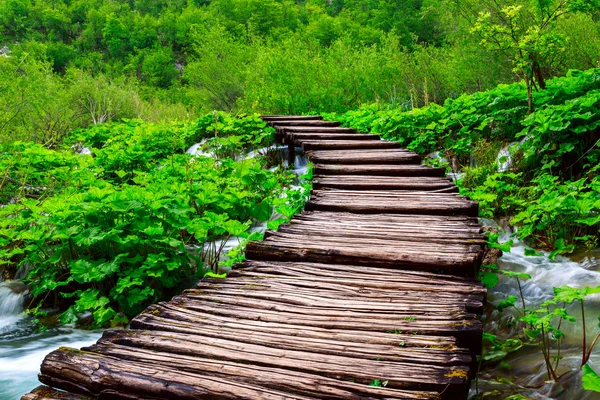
(526, 372)
(22, 348)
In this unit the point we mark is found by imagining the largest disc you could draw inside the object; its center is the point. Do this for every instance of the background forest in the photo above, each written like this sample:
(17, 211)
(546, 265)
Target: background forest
(66, 64)
(118, 116)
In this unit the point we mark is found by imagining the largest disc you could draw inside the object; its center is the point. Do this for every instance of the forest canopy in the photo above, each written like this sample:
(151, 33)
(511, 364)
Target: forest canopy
(71, 63)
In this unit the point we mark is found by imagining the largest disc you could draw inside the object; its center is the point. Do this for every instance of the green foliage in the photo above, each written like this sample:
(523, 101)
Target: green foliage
(276, 56)
(590, 379)
(112, 233)
(551, 185)
(496, 349)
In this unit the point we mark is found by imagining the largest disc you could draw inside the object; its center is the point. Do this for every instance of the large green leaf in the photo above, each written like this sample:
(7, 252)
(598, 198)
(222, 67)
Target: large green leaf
(590, 379)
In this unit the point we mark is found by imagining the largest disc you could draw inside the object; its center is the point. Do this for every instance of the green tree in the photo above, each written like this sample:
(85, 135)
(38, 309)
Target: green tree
(525, 30)
(158, 67)
(116, 37)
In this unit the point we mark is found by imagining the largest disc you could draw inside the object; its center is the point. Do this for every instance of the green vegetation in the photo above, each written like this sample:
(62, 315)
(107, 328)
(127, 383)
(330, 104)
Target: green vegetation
(540, 169)
(66, 64)
(119, 229)
(551, 181)
(115, 230)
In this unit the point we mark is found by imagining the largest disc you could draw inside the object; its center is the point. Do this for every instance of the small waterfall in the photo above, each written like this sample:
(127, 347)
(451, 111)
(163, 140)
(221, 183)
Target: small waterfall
(505, 156)
(195, 150)
(12, 299)
(527, 369)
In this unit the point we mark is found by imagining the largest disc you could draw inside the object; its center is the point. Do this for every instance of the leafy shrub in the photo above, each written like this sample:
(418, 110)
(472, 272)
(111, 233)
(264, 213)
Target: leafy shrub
(552, 185)
(112, 233)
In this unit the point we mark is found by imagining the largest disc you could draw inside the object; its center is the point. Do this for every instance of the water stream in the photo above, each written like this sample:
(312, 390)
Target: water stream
(525, 368)
(22, 348)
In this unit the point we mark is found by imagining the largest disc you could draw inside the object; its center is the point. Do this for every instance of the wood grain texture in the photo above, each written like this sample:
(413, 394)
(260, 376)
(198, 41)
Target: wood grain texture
(374, 281)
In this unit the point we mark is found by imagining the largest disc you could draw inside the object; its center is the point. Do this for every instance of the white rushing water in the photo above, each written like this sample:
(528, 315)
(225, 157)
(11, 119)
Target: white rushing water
(12, 298)
(527, 369)
(23, 350)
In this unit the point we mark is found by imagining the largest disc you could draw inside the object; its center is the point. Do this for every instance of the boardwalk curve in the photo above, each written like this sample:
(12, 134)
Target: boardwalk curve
(368, 294)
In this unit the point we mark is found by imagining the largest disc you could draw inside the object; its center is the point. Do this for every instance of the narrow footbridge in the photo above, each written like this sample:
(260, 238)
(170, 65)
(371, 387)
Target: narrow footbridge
(368, 294)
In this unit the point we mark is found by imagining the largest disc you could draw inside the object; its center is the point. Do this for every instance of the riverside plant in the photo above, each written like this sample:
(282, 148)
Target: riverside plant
(111, 232)
(542, 327)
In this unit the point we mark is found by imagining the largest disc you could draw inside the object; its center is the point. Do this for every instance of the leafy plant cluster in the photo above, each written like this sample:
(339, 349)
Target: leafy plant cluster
(541, 326)
(551, 182)
(500, 114)
(111, 232)
(65, 64)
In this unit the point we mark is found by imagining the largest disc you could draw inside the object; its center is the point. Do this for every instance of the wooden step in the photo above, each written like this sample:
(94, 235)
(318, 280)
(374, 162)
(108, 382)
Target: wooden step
(364, 156)
(341, 145)
(457, 259)
(278, 123)
(352, 229)
(329, 136)
(378, 170)
(316, 129)
(270, 118)
(393, 202)
(366, 182)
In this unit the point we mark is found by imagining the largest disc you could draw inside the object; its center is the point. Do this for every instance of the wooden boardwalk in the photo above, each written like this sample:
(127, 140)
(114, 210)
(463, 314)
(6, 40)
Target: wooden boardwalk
(372, 284)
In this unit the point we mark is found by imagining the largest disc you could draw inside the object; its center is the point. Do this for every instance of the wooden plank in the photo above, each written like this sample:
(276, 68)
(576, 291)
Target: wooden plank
(324, 129)
(380, 276)
(270, 118)
(364, 156)
(335, 296)
(433, 221)
(347, 144)
(380, 170)
(212, 356)
(461, 261)
(276, 344)
(406, 235)
(360, 182)
(373, 202)
(166, 317)
(103, 376)
(460, 324)
(303, 122)
(299, 136)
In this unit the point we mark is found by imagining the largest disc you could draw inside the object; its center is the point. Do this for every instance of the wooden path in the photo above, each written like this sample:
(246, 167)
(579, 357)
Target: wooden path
(372, 284)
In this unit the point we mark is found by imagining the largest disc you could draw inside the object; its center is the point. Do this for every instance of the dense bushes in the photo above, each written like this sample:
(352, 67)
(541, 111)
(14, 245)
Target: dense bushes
(113, 231)
(552, 182)
(68, 64)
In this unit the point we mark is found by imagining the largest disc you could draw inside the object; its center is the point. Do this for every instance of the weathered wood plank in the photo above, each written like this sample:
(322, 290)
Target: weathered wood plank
(303, 122)
(166, 317)
(433, 221)
(299, 118)
(299, 136)
(464, 263)
(189, 377)
(358, 182)
(324, 129)
(379, 169)
(194, 355)
(341, 145)
(374, 202)
(359, 156)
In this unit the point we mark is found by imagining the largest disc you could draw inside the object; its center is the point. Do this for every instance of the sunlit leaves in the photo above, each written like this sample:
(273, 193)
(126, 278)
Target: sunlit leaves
(130, 229)
(590, 379)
